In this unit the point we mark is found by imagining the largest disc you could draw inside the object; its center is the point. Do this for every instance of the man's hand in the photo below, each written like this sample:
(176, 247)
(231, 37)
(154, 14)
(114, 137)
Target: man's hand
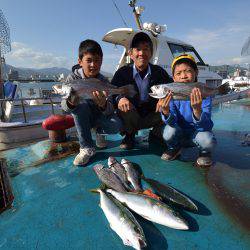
(163, 104)
(125, 105)
(196, 102)
(100, 98)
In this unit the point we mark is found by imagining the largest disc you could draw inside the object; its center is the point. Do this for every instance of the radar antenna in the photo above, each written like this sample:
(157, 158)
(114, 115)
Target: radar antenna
(5, 46)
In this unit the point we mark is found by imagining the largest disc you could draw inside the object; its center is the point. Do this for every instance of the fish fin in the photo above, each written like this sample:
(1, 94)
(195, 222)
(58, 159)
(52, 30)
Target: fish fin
(224, 88)
(129, 90)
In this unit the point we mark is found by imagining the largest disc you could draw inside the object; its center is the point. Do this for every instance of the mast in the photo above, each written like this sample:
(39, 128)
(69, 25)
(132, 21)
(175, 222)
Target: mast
(137, 10)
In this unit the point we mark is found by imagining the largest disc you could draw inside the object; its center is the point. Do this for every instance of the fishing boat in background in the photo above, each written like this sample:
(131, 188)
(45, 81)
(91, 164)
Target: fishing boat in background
(45, 201)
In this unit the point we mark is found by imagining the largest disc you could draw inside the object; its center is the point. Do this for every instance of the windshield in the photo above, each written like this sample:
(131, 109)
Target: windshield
(178, 49)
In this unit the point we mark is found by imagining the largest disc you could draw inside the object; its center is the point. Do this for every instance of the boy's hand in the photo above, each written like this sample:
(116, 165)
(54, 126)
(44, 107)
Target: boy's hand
(100, 98)
(163, 104)
(196, 102)
(125, 105)
(73, 99)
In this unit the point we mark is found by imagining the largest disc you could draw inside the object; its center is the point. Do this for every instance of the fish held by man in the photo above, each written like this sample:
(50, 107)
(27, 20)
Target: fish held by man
(182, 91)
(151, 209)
(122, 221)
(84, 88)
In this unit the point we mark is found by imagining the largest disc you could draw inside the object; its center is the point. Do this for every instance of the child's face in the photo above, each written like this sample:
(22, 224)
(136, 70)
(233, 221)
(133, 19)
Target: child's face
(184, 73)
(91, 64)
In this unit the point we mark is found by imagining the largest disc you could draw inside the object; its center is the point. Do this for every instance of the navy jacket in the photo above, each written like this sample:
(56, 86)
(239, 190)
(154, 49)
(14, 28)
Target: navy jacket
(124, 76)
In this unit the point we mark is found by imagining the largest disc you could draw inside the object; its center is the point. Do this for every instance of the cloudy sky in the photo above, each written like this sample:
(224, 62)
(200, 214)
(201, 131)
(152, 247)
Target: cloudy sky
(47, 33)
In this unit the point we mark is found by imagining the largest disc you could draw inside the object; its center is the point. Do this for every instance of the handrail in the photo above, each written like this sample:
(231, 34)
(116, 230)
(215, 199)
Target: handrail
(50, 99)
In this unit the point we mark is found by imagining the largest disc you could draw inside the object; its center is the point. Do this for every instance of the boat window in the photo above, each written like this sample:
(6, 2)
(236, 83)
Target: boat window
(178, 49)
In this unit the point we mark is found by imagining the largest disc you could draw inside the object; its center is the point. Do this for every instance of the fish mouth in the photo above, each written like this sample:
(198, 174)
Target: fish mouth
(157, 96)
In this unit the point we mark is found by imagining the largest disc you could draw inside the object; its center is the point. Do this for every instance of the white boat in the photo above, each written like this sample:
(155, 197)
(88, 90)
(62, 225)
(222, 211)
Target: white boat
(21, 122)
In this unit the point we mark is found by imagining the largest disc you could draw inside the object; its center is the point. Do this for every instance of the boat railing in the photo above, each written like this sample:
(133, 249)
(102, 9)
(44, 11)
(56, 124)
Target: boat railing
(46, 101)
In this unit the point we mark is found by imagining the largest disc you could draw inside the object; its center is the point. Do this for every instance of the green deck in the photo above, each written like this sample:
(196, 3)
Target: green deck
(53, 208)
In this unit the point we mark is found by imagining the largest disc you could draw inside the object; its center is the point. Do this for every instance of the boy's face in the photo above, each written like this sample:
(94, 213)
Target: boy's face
(91, 64)
(184, 73)
(141, 55)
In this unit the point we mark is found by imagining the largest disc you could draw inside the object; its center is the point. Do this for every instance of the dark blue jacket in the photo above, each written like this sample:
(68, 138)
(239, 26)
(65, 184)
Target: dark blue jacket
(124, 76)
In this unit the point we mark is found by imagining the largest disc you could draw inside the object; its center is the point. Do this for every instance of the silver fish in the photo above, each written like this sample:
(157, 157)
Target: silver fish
(132, 174)
(151, 209)
(119, 170)
(182, 91)
(171, 194)
(85, 87)
(109, 178)
(122, 221)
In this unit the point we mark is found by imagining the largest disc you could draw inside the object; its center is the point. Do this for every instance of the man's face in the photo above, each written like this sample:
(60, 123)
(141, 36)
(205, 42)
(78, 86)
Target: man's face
(184, 73)
(141, 55)
(91, 64)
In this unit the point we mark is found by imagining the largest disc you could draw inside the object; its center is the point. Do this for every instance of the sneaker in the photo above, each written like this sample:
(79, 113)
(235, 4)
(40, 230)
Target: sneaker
(128, 142)
(171, 154)
(100, 141)
(204, 160)
(84, 156)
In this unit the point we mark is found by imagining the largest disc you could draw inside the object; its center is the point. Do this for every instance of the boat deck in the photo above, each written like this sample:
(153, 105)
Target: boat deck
(53, 208)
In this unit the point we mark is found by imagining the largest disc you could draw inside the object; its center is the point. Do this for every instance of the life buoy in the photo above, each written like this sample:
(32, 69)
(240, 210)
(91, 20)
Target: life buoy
(58, 122)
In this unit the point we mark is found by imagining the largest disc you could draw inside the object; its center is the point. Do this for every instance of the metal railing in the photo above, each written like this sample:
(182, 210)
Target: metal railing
(22, 101)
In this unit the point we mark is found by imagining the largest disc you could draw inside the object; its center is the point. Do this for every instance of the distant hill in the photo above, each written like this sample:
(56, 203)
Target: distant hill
(50, 72)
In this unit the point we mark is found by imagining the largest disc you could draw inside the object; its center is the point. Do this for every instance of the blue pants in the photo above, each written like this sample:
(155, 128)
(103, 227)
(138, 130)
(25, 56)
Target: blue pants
(176, 137)
(86, 116)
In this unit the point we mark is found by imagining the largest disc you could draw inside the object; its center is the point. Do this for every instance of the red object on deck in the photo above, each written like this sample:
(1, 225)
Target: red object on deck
(58, 122)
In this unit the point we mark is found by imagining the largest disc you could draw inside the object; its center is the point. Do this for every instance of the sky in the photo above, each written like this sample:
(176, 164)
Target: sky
(47, 33)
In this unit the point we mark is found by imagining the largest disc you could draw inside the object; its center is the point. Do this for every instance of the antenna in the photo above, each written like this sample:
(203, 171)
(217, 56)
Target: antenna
(5, 46)
(119, 12)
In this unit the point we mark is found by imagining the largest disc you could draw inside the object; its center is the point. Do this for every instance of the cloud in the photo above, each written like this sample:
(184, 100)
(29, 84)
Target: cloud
(24, 56)
(221, 45)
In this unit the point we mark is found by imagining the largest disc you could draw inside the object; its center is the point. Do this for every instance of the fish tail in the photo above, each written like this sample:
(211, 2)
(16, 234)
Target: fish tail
(128, 90)
(224, 88)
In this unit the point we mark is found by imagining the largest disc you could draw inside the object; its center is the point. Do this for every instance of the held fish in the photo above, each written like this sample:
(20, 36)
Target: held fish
(182, 91)
(151, 209)
(122, 221)
(133, 175)
(85, 87)
(171, 194)
(109, 178)
(119, 170)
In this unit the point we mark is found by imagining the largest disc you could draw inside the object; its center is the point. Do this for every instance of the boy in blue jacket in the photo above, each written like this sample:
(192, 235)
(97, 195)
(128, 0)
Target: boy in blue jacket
(187, 120)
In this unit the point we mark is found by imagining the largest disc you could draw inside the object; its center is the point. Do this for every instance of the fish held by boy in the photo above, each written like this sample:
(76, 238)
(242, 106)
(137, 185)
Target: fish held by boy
(182, 91)
(84, 88)
(122, 221)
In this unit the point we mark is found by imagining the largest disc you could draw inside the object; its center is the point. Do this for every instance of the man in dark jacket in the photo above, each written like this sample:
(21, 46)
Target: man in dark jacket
(139, 112)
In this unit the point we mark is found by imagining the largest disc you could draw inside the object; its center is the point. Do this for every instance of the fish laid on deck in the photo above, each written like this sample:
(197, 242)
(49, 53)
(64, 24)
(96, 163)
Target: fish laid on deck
(133, 175)
(109, 178)
(85, 87)
(182, 91)
(151, 209)
(169, 193)
(122, 221)
(117, 168)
